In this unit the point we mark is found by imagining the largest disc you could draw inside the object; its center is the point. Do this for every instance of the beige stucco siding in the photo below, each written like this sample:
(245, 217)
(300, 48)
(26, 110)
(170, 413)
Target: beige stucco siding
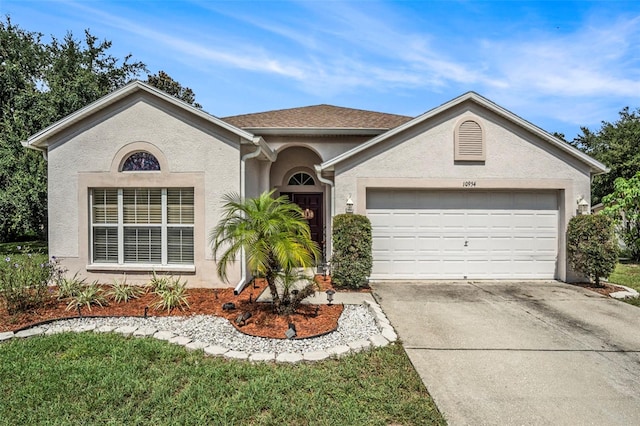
(423, 157)
(326, 147)
(292, 160)
(191, 153)
(426, 152)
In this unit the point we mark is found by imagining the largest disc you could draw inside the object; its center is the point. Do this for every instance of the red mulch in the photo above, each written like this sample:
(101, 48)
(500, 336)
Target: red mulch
(605, 289)
(309, 320)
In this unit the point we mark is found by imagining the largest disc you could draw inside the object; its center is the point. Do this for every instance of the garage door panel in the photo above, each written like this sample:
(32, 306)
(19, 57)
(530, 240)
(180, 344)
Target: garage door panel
(508, 235)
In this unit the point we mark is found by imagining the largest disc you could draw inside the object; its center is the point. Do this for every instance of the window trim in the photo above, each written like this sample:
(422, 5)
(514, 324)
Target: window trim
(121, 265)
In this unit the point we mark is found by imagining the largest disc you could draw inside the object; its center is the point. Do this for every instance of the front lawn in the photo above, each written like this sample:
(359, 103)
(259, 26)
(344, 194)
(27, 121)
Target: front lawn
(92, 378)
(36, 247)
(627, 274)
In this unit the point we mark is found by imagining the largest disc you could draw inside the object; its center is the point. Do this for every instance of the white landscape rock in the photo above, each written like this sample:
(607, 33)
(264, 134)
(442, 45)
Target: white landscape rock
(6, 336)
(389, 334)
(164, 335)
(378, 341)
(289, 357)
(126, 330)
(196, 345)
(180, 340)
(236, 355)
(215, 350)
(34, 331)
(340, 350)
(145, 332)
(217, 337)
(315, 356)
(262, 357)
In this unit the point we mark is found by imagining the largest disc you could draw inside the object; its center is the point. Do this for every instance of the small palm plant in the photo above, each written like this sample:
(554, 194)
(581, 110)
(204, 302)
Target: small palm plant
(276, 240)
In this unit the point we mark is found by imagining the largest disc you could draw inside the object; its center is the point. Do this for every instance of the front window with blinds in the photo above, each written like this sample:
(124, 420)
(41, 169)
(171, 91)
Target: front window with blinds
(142, 226)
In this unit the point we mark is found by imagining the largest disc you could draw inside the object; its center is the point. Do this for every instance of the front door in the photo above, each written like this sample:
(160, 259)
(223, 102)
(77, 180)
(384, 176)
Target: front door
(311, 205)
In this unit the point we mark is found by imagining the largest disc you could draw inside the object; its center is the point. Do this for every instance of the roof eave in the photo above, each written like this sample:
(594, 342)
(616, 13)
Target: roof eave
(314, 131)
(40, 140)
(596, 166)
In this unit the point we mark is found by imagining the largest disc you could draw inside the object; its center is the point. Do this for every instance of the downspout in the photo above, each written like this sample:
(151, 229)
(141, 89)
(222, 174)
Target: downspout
(243, 258)
(333, 206)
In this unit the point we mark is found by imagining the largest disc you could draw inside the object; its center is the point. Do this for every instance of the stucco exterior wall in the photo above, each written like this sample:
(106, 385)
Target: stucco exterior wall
(326, 147)
(292, 160)
(192, 154)
(423, 157)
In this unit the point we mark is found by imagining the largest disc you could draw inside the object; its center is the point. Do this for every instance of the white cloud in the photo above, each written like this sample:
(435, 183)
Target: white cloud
(327, 48)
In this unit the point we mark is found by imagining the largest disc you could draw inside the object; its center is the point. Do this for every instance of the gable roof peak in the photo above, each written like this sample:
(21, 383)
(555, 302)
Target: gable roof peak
(40, 140)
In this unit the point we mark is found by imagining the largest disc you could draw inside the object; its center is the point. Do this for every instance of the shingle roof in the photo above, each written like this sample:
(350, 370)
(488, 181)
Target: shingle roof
(318, 116)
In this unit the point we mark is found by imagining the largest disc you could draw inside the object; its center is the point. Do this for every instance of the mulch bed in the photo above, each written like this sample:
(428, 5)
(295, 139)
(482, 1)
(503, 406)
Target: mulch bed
(605, 289)
(309, 320)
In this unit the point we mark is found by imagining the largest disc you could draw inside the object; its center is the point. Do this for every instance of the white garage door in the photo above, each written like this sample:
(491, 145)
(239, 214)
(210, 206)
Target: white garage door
(463, 234)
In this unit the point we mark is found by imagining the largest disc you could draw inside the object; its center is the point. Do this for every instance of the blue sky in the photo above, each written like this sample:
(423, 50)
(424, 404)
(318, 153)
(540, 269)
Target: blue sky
(560, 65)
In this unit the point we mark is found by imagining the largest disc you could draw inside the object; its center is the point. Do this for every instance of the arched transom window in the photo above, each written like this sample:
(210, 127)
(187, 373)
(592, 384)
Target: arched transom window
(141, 161)
(301, 178)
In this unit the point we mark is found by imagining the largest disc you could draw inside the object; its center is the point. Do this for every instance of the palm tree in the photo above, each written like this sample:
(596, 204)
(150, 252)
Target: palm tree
(276, 240)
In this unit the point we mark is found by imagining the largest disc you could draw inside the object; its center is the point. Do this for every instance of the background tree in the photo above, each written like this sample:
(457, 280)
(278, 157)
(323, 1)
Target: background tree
(276, 240)
(616, 145)
(40, 84)
(623, 206)
(164, 82)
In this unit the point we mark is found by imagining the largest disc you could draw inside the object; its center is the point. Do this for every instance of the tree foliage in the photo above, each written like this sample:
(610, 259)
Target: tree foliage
(616, 145)
(276, 240)
(623, 206)
(352, 250)
(592, 247)
(164, 82)
(39, 84)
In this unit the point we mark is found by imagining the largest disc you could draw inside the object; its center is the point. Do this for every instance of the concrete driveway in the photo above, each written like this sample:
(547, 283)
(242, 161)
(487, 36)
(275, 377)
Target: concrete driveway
(520, 353)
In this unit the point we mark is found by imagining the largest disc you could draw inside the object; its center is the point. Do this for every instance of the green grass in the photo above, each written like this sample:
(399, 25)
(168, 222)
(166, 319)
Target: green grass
(107, 379)
(627, 274)
(35, 247)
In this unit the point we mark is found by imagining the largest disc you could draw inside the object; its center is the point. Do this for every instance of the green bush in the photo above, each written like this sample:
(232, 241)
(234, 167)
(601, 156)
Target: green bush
(592, 247)
(623, 206)
(24, 281)
(352, 259)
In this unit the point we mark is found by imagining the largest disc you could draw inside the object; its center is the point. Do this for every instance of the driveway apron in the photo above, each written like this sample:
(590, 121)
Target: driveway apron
(520, 353)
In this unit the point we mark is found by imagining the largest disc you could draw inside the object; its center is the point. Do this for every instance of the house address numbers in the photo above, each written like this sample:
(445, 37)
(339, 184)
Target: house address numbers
(469, 184)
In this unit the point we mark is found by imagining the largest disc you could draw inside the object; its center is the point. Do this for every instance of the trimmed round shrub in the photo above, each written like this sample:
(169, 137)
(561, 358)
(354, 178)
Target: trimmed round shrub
(592, 247)
(352, 259)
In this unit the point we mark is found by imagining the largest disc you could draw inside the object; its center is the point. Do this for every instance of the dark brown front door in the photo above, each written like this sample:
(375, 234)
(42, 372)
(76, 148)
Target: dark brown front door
(311, 203)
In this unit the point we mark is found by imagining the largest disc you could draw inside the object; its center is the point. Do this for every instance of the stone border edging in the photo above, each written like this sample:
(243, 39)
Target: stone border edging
(628, 293)
(387, 335)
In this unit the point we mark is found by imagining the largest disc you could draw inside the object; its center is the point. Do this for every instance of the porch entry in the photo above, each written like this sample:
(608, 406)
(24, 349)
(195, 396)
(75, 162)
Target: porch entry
(311, 204)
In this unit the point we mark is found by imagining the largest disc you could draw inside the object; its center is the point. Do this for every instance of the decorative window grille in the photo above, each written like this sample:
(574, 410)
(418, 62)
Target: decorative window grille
(141, 162)
(301, 178)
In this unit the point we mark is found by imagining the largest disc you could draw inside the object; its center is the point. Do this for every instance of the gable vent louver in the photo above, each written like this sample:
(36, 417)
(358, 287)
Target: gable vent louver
(469, 142)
